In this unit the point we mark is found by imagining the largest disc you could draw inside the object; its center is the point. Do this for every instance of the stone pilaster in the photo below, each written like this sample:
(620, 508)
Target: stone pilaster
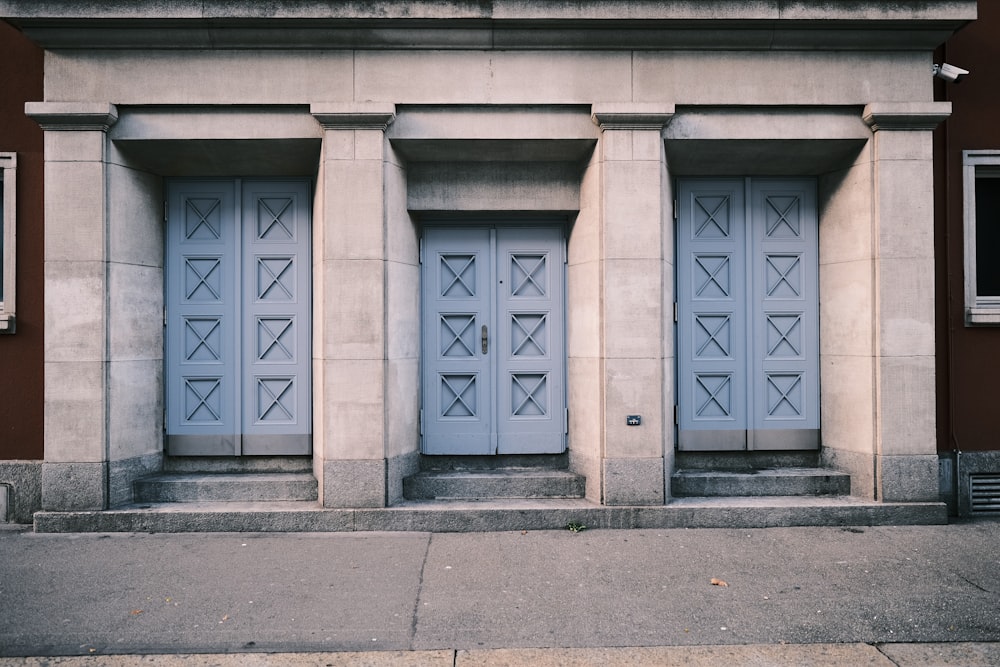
(77, 383)
(634, 277)
(349, 306)
(906, 461)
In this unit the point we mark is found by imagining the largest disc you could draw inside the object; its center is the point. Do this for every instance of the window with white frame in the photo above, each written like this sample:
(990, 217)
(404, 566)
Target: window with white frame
(8, 239)
(981, 174)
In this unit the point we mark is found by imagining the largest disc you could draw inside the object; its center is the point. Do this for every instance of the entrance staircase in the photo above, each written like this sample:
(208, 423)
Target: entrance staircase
(755, 474)
(472, 494)
(229, 480)
(481, 478)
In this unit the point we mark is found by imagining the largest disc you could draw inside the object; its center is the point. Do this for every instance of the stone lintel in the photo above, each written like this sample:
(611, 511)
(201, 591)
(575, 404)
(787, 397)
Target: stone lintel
(914, 116)
(354, 115)
(72, 116)
(632, 116)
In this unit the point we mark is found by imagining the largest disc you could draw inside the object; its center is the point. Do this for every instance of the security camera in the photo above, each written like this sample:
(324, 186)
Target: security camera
(950, 72)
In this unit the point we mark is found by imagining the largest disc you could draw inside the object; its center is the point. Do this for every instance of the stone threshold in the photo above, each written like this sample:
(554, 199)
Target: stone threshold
(493, 515)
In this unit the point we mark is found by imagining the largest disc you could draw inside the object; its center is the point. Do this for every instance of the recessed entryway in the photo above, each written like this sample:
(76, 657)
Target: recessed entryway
(493, 331)
(747, 314)
(237, 273)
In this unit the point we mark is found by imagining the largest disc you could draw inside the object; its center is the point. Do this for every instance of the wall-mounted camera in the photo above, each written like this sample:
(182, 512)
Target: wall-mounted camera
(950, 72)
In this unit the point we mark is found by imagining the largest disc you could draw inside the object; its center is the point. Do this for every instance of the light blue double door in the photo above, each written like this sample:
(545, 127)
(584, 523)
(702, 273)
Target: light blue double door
(493, 340)
(747, 314)
(237, 317)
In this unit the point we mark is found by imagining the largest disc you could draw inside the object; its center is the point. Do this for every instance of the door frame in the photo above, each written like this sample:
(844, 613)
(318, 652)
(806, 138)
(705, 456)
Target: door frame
(559, 225)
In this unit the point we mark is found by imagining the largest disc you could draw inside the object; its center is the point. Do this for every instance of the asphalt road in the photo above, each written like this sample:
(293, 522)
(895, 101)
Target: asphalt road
(87, 594)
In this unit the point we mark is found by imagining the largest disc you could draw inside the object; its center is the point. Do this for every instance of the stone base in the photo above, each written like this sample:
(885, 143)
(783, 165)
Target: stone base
(859, 466)
(908, 479)
(123, 473)
(397, 468)
(633, 481)
(356, 483)
(74, 486)
(23, 483)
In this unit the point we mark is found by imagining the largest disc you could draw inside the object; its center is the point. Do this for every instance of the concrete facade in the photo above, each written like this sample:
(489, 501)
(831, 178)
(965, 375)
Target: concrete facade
(508, 109)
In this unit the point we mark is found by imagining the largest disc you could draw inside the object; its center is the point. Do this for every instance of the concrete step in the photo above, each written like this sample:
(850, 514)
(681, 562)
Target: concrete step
(226, 487)
(502, 515)
(760, 482)
(490, 484)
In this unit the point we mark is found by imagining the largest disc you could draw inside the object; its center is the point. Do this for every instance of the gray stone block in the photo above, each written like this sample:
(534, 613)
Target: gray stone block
(123, 473)
(354, 483)
(761, 482)
(223, 487)
(634, 481)
(910, 479)
(23, 480)
(74, 486)
(488, 484)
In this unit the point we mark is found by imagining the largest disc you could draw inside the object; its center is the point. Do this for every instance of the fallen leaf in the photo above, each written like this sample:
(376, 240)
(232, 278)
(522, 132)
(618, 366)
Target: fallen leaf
(718, 582)
(136, 612)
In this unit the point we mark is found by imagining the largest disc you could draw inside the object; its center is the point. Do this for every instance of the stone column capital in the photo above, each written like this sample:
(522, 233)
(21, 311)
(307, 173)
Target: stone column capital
(632, 115)
(72, 116)
(905, 115)
(354, 115)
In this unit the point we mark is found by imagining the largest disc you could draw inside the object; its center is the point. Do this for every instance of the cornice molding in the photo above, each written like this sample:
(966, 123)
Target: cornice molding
(632, 116)
(905, 115)
(72, 116)
(354, 116)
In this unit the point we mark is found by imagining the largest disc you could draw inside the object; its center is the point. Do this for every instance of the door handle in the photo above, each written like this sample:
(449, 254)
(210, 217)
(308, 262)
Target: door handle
(486, 339)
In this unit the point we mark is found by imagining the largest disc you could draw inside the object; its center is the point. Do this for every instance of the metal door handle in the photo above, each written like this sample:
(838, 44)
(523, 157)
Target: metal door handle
(486, 340)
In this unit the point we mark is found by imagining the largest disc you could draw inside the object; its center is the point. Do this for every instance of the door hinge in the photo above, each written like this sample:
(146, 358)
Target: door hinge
(676, 420)
(166, 209)
(421, 423)
(421, 252)
(164, 316)
(676, 214)
(675, 312)
(566, 421)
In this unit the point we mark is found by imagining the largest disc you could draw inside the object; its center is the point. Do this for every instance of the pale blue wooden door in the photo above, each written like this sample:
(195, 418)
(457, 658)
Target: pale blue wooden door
(493, 349)
(237, 302)
(747, 324)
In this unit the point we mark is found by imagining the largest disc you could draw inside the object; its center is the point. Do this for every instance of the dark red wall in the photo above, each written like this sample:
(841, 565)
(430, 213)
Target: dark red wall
(21, 354)
(968, 359)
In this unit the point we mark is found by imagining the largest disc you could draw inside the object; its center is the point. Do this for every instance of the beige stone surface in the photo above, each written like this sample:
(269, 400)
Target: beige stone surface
(135, 408)
(135, 312)
(846, 308)
(135, 216)
(74, 211)
(583, 309)
(906, 307)
(633, 387)
(74, 423)
(779, 77)
(633, 309)
(75, 310)
(402, 311)
(353, 392)
(633, 209)
(848, 409)
(352, 312)
(233, 76)
(402, 406)
(353, 218)
(907, 424)
(845, 219)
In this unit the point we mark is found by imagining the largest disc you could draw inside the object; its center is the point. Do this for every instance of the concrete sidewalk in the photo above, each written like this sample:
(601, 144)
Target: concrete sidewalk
(907, 595)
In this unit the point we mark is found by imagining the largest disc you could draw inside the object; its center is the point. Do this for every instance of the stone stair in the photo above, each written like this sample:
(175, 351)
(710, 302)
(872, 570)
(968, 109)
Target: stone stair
(494, 478)
(235, 480)
(755, 474)
(760, 482)
(225, 487)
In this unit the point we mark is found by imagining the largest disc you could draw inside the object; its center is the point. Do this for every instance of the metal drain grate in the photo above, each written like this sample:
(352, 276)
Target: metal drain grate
(985, 490)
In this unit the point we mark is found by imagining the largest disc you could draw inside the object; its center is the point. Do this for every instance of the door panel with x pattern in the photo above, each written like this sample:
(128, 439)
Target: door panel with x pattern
(238, 301)
(747, 294)
(493, 331)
